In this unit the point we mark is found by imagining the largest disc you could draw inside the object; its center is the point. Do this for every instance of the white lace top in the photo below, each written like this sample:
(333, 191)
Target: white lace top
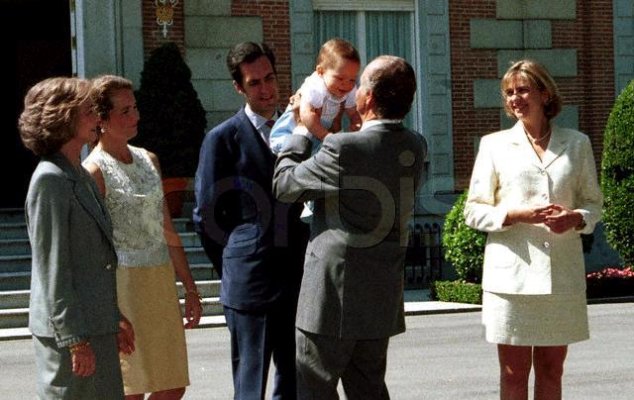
(134, 197)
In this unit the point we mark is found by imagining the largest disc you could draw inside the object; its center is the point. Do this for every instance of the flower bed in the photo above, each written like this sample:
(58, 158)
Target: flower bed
(610, 282)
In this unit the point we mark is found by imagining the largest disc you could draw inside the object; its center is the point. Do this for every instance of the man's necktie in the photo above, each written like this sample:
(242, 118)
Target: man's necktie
(267, 131)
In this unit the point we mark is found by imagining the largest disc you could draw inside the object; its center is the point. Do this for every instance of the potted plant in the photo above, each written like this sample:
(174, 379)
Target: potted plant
(173, 120)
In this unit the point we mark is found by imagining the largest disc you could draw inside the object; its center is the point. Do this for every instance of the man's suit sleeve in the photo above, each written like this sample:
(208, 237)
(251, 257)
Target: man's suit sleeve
(298, 178)
(214, 165)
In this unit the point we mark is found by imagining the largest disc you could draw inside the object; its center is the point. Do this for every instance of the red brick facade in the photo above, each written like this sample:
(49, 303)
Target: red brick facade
(591, 34)
(153, 32)
(592, 90)
(276, 26)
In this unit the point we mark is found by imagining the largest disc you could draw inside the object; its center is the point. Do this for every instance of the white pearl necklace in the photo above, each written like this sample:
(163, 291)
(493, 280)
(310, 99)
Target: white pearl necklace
(538, 140)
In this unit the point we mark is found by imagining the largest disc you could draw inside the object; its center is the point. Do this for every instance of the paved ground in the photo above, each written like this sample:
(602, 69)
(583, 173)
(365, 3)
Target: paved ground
(440, 357)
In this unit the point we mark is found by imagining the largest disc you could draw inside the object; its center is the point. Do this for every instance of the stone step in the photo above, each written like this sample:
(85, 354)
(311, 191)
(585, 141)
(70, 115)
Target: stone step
(11, 215)
(9, 247)
(12, 299)
(15, 280)
(21, 246)
(21, 280)
(15, 263)
(183, 224)
(15, 216)
(203, 271)
(13, 230)
(18, 315)
(190, 239)
(22, 262)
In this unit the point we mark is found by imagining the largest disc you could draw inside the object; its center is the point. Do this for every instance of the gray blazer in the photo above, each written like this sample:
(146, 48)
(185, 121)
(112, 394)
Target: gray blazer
(73, 282)
(364, 186)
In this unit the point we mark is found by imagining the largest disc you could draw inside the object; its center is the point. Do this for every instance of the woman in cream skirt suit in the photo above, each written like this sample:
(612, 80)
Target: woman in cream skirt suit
(534, 190)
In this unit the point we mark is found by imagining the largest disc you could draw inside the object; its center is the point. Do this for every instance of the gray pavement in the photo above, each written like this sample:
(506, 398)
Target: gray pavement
(442, 356)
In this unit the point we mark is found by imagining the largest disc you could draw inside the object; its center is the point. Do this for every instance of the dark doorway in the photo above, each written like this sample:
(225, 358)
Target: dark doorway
(37, 46)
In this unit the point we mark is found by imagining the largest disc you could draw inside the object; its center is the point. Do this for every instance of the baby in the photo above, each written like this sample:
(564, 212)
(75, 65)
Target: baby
(328, 90)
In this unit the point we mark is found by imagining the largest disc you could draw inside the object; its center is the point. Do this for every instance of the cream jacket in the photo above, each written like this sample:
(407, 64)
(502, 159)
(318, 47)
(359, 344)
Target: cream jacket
(526, 258)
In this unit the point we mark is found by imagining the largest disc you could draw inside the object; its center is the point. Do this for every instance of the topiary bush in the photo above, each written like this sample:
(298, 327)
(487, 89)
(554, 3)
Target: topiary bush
(463, 246)
(617, 176)
(173, 120)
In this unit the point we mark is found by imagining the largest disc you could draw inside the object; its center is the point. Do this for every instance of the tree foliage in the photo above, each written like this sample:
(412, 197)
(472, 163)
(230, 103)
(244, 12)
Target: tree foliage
(463, 245)
(173, 120)
(617, 176)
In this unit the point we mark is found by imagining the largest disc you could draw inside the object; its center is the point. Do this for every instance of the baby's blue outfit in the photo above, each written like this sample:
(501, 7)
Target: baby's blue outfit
(315, 92)
(283, 127)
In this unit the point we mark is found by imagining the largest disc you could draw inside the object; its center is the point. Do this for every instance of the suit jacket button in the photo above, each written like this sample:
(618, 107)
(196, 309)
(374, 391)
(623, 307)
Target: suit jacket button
(109, 267)
(546, 245)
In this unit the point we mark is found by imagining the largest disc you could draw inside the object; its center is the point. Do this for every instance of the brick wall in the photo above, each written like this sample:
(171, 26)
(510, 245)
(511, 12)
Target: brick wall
(153, 32)
(592, 89)
(276, 26)
(468, 65)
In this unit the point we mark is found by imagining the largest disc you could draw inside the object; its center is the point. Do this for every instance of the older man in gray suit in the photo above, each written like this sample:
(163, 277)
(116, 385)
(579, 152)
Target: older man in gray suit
(363, 185)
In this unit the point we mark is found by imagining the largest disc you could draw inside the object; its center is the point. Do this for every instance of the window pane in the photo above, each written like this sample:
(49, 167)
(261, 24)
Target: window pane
(389, 33)
(329, 24)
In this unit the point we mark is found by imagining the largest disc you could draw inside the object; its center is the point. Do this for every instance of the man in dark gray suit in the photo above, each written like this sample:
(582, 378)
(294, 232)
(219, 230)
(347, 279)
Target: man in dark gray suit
(363, 185)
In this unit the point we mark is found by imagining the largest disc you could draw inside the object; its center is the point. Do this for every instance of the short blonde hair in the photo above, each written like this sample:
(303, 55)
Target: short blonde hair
(538, 76)
(50, 111)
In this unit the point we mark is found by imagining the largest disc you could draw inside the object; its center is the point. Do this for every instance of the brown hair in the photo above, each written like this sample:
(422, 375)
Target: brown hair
(50, 112)
(334, 50)
(539, 77)
(103, 88)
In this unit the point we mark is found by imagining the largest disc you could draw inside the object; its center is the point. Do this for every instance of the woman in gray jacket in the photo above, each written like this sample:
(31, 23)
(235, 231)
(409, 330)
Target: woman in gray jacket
(74, 316)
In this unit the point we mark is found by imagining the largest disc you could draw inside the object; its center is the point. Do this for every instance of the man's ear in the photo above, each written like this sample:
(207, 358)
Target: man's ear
(238, 87)
(369, 99)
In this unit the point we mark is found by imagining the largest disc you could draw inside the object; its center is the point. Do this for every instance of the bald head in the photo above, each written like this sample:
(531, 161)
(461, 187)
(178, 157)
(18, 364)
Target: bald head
(392, 84)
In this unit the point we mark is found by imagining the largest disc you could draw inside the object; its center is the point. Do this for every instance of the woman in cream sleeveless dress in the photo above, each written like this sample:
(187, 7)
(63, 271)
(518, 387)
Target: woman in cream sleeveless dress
(130, 181)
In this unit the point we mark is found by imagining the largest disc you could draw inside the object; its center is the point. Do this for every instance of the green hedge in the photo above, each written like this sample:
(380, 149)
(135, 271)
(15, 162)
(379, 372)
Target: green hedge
(617, 176)
(457, 292)
(463, 246)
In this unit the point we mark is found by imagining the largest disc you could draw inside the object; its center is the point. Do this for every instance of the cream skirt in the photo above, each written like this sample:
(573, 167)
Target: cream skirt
(148, 298)
(535, 320)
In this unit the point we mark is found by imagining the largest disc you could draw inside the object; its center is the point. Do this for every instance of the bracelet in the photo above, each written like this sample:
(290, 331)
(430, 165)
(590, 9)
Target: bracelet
(195, 293)
(74, 348)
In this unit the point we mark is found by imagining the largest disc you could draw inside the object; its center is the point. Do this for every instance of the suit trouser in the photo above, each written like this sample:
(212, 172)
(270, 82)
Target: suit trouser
(55, 378)
(323, 360)
(255, 337)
